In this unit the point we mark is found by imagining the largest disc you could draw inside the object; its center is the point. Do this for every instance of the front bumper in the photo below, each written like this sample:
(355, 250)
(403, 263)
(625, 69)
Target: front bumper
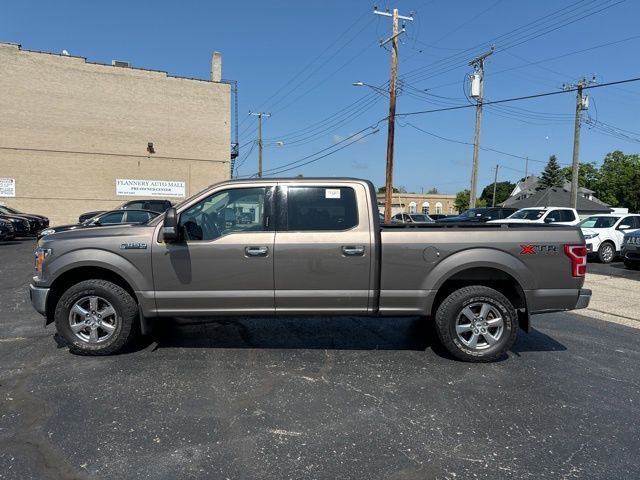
(583, 299)
(39, 299)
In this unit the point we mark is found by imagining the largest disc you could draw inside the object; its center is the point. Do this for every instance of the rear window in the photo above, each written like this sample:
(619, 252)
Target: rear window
(137, 217)
(321, 208)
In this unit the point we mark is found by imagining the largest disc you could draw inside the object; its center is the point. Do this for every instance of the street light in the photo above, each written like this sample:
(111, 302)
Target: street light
(379, 90)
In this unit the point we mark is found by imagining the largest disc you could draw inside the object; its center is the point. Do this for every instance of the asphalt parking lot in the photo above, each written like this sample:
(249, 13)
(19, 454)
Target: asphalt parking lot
(313, 398)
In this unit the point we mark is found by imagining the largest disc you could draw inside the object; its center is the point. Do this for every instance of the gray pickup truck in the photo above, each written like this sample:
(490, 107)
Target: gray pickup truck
(305, 247)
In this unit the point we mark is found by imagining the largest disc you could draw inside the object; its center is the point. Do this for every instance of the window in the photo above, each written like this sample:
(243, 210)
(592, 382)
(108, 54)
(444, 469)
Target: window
(225, 212)
(111, 218)
(321, 208)
(135, 205)
(528, 214)
(438, 208)
(628, 221)
(425, 208)
(554, 216)
(134, 216)
(567, 216)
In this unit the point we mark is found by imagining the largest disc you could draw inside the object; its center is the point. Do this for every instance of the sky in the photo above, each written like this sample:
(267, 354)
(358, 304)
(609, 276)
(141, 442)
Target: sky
(298, 61)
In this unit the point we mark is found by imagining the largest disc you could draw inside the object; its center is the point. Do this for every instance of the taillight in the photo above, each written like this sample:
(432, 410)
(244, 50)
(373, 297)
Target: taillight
(578, 256)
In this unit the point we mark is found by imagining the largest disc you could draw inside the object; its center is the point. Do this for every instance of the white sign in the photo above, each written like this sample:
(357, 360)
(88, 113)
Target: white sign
(7, 187)
(149, 188)
(332, 193)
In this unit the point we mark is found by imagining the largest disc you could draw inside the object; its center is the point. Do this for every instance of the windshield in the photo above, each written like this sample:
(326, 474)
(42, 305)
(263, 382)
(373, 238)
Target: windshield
(473, 212)
(528, 214)
(8, 210)
(420, 218)
(598, 222)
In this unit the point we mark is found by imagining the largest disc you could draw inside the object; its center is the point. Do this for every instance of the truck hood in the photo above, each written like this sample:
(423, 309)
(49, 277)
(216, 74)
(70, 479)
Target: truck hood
(93, 234)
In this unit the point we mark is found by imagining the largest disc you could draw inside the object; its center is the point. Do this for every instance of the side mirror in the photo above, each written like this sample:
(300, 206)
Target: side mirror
(549, 220)
(624, 227)
(170, 226)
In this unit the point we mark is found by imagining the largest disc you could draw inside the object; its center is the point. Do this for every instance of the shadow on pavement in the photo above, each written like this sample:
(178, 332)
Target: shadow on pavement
(351, 333)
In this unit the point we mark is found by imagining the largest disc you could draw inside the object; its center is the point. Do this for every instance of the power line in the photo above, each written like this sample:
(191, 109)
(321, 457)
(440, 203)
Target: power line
(516, 99)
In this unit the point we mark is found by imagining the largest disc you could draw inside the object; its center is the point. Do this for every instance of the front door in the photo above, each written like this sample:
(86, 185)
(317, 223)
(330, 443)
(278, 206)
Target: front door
(223, 263)
(322, 250)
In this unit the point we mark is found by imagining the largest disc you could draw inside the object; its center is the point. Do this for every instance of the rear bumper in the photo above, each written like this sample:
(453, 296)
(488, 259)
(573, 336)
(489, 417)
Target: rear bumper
(583, 299)
(39, 299)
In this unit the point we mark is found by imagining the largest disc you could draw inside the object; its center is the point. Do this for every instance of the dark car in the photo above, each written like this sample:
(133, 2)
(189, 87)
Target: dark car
(412, 218)
(6, 230)
(112, 217)
(158, 206)
(21, 226)
(630, 251)
(439, 216)
(480, 215)
(36, 222)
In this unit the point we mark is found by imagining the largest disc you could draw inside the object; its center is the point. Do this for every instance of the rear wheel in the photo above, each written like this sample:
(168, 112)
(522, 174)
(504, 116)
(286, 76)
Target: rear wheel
(476, 324)
(97, 317)
(606, 252)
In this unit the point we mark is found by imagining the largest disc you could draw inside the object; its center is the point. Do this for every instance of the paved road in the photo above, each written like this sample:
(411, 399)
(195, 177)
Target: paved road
(314, 398)
(614, 269)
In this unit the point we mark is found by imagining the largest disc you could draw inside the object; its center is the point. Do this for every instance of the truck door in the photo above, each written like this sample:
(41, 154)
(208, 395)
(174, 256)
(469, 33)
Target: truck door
(322, 258)
(224, 262)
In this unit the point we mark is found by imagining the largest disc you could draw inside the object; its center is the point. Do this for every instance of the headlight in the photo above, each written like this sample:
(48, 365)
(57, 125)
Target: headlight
(47, 231)
(41, 254)
(590, 236)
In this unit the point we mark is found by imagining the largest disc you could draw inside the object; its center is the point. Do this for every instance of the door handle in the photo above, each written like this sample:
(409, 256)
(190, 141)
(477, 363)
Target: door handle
(353, 250)
(256, 251)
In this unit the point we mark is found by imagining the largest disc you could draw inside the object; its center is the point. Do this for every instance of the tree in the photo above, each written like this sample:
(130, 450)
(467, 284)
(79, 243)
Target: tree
(503, 191)
(618, 180)
(384, 189)
(433, 191)
(552, 175)
(462, 201)
(588, 175)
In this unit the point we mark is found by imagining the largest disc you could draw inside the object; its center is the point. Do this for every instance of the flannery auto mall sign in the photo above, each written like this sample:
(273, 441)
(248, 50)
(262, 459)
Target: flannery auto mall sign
(149, 188)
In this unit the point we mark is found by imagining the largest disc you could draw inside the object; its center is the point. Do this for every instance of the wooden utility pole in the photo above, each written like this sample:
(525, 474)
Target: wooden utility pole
(392, 105)
(260, 115)
(495, 183)
(582, 103)
(478, 65)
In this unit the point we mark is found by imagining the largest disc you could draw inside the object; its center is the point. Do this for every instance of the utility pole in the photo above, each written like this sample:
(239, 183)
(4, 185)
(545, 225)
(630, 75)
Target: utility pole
(392, 104)
(477, 92)
(495, 183)
(526, 168)
(582, 103)
(260, 115)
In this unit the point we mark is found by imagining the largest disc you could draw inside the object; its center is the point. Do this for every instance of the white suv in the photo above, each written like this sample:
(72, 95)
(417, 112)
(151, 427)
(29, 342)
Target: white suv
(604, 233)
(554, 215)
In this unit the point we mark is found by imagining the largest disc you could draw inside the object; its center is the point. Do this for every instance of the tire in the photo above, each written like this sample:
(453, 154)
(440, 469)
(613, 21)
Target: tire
(606, 252)
(97, 317)
(461, 310)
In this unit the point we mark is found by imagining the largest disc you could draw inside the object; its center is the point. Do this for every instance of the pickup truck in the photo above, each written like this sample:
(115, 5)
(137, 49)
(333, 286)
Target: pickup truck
(305, 247)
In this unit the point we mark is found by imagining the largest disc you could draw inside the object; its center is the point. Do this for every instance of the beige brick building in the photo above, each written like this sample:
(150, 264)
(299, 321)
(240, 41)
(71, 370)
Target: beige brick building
(70, 128)
(429, 203)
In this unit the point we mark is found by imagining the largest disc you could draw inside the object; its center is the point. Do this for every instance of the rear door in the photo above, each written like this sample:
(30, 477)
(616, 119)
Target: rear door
(322, 252)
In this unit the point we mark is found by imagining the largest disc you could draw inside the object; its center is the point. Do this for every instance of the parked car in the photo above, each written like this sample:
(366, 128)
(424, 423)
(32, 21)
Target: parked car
(6, 230)
(36, 222)
(481, 214)
(412, 218)
(437, 216)
(21, 226)
(112, 217)
(555, 215)
(630, 251)
(315, 247)
(604, 233)
(158, 206)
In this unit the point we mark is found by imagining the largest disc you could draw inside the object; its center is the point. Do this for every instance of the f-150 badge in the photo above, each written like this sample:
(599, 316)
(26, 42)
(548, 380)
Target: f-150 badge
(133, 246)
(538, 249)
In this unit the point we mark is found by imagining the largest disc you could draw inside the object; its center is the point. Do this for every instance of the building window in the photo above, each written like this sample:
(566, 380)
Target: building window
(450, 209)
(438, 208)
(412, 207)
(425, 208)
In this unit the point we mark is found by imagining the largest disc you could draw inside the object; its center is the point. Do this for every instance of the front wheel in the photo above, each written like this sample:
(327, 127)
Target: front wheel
(476, 324)
(96, 317)
(606, 252)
